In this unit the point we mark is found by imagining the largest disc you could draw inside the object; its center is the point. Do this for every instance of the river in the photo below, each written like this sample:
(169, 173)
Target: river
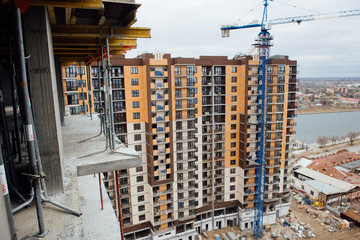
(310, 126)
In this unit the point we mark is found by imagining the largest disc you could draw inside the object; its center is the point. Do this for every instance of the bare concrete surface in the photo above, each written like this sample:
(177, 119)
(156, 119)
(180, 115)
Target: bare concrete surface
(80, 193)
(84, 140)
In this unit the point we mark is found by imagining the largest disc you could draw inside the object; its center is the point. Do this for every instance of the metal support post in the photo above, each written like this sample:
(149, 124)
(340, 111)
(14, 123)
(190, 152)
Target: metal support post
(15, 104)
(109, 85)
(88, 70)
(101, 195)
(25, 104)
(119, 204)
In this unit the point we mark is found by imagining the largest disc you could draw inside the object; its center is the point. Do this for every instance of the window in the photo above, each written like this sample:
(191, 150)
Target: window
(233, 98)
(139, 178)
(233, 135)
(233, 153)
(141, 198)
(232, 196)
(233, 117)
(233, 69)
(138, 148)
(177, 71)
(233, 89)
(232, 179)
(81, 96)
(139, 169)
(233, 108)
(140, 188)
(82, 71)
(137, 126)
(136, 104)
(126, 220)
(137, 137)
(142, 217)
(233, 126)
(233, 79)
(134, 81)
(136, 115)
(81, 83)
(134, 70)
(141, 208)
(70, 71)
(232, 188)
(135, 93)
(232, 162)
(233, 144)
(232, 170)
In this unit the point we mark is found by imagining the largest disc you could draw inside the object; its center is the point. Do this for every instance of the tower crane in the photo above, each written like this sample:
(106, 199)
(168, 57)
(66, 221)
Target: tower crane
(263, 43)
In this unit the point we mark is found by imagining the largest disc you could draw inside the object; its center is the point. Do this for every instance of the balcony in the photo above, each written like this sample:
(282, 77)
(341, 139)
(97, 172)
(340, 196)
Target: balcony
(160, 96)
(158, 73)
(158, 85)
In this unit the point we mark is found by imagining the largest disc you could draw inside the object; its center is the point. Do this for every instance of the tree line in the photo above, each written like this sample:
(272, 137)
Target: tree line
(350, 137)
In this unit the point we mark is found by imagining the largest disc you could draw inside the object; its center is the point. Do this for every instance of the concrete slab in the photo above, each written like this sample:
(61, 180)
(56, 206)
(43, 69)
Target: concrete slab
(81, 137)
(80, 193)
(98, 224)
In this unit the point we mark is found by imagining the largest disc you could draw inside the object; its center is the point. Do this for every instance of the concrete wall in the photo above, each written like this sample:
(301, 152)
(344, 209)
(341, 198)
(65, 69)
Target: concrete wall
(44, 94)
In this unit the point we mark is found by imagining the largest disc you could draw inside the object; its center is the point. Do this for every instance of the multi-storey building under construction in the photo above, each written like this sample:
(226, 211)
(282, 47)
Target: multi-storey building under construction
(194, 122)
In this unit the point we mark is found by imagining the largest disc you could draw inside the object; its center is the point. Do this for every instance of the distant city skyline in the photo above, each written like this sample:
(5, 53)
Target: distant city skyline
(323, 48)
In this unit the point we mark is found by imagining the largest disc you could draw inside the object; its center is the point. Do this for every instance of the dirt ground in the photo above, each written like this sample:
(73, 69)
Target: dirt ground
(320, 231)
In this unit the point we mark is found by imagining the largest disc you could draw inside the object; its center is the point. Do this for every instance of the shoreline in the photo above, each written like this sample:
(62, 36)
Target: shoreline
(327, 111)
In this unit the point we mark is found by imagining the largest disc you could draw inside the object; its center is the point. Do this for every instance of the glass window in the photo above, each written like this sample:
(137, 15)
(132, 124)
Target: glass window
(135, 93)
(233, 69)
(134, 81)
(134, 70)
(136, 104)
(136, 115)
(141, 198)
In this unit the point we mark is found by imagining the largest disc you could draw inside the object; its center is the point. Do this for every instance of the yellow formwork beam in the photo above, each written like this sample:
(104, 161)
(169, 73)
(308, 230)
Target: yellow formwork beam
(90, 49)
(99, 31)
(87, 4)
(93, 42)
(80, 53)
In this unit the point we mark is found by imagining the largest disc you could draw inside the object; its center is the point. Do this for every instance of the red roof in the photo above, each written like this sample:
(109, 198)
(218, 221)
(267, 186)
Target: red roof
(327, 164)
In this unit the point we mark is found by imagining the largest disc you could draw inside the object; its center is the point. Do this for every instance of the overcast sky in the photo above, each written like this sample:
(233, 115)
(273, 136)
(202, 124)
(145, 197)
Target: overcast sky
(190, 28)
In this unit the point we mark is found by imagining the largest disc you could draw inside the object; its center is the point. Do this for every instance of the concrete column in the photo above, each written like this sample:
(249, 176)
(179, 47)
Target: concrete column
(4, 224)
(44, 95)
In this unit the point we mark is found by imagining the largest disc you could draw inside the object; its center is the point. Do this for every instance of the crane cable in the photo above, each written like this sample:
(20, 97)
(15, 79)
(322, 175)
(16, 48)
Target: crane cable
(289, 5)
(260, 3)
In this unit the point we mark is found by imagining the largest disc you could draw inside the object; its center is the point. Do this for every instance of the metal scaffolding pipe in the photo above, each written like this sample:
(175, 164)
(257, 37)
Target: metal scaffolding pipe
(70, 210)
(111, 111)
(25, 105)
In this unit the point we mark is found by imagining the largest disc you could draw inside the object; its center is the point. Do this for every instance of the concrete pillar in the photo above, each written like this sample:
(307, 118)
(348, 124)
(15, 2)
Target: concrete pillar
(4, 224)
(44, 95)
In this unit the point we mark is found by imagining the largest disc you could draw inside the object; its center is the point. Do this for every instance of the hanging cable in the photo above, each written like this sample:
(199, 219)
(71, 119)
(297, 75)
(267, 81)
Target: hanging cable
(260, 3)
(294, 6)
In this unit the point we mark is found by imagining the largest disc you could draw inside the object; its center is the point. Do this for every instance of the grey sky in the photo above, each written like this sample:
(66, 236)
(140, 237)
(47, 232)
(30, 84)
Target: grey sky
(189, 28)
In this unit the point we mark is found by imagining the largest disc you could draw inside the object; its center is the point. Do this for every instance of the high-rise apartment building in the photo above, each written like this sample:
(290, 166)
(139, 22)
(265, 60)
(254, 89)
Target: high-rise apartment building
(194, 122)
(76, 88)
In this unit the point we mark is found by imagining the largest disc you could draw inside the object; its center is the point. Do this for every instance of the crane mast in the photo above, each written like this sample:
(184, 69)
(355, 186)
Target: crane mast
(263, 43)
